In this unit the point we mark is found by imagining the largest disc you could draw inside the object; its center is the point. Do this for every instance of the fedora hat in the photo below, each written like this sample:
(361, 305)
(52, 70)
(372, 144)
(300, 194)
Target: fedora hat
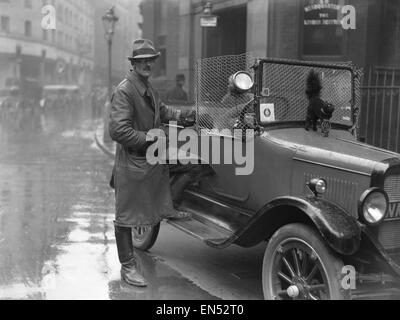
(143, 49)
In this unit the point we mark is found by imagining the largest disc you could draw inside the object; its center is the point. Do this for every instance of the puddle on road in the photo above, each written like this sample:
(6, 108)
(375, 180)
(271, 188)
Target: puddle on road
(87, 269)
(56, 230)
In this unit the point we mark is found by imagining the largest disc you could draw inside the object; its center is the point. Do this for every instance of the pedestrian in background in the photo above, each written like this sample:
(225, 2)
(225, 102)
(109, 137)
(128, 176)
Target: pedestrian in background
(142, 190)
(177, 94)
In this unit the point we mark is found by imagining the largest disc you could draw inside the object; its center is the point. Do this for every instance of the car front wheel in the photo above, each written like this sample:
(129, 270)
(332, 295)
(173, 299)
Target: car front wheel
(143, 238)
(298, 265)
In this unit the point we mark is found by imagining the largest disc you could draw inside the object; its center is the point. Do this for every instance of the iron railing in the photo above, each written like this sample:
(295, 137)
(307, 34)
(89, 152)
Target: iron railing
(380, 112)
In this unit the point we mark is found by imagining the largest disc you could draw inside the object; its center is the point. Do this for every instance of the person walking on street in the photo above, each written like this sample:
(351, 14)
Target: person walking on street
(142, 190)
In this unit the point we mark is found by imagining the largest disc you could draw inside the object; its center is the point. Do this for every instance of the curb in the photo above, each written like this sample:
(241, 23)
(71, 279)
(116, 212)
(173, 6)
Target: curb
(100, 143)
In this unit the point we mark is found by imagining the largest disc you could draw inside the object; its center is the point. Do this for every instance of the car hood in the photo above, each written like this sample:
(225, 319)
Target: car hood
(338, 150)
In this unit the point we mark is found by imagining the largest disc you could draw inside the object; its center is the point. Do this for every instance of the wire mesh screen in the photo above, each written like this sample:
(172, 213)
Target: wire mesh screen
(284, 86)
(217, 106)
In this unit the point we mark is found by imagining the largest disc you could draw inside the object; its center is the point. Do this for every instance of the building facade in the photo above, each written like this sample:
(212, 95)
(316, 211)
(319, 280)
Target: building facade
(60, 56)
(273, 28)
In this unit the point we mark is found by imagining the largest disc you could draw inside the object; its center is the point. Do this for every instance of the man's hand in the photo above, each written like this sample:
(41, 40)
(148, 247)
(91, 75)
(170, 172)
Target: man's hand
(189, 119)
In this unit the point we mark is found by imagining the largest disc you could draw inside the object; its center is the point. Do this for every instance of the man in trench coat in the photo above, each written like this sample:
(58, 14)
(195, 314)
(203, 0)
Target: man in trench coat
(142, 190)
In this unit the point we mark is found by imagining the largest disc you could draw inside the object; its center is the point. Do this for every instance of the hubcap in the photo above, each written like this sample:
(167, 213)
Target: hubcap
(293, 291)
(139, 233)
(298, 272)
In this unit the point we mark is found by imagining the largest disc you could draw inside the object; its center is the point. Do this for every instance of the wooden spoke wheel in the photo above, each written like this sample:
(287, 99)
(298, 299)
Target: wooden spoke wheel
(298, 265)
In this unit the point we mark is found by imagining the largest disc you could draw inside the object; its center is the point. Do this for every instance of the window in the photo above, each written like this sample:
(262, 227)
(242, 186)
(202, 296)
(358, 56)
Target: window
(322, 29)
(5, 24)
(28, 28)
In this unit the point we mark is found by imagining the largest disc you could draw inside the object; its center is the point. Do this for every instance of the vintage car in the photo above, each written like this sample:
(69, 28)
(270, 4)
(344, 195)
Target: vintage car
(326, 205)
(10, 103)
(60, 96)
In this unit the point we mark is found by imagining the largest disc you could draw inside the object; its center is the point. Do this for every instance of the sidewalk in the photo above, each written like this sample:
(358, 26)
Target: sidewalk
(107, 148)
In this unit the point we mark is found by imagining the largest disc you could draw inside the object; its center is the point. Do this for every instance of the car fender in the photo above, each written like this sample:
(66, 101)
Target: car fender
(338, 228)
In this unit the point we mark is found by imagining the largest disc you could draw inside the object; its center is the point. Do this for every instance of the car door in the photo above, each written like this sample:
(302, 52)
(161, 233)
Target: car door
(232, 160)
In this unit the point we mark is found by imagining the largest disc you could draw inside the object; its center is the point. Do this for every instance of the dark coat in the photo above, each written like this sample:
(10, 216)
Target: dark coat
(142, 191)
(176, 95)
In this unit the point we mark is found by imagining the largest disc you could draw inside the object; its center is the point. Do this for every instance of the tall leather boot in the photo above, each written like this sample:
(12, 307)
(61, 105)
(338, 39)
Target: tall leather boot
(129, 272)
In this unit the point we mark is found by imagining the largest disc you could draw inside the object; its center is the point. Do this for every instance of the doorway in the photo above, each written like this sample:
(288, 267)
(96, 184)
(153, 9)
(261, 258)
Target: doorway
(229, 37)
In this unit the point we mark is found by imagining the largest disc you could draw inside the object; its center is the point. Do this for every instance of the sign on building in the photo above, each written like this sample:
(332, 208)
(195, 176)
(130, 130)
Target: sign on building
(322, 30)
(209, 21)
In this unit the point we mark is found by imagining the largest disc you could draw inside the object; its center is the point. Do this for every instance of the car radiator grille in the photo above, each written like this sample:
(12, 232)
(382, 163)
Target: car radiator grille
(340, 191)
(389, 231)
(389, 234)
(392, 187)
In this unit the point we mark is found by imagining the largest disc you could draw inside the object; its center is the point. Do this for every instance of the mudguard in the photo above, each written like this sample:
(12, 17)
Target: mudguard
(340, 230)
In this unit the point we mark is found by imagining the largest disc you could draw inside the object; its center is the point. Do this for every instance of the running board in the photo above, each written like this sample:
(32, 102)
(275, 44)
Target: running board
(212, 235)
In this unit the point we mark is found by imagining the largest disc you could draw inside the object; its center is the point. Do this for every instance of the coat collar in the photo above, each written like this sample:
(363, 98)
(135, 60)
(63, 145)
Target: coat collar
(137, 81)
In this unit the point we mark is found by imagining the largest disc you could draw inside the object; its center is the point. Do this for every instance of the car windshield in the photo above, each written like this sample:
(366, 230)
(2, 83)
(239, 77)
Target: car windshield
(284, 86)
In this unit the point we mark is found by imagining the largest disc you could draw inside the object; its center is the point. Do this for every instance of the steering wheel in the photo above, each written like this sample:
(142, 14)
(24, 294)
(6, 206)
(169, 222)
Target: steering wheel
(241, 123)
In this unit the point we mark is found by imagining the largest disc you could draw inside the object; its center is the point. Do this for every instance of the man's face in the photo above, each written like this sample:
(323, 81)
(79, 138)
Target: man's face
(144, 67)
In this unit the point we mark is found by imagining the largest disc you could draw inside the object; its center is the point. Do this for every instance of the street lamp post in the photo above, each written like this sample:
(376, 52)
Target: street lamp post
(109, 21)
(207, 20)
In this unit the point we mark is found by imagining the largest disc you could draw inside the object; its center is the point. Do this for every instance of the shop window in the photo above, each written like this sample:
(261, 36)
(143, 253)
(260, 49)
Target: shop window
(322, 30)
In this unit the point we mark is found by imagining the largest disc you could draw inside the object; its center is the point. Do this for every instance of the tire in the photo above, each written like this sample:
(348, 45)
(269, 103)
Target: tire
(301, 243)
(143, 238)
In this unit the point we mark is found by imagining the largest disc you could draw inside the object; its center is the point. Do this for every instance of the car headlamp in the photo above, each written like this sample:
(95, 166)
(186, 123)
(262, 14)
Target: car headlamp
(318, 186)
(373, 206)
(242, 81)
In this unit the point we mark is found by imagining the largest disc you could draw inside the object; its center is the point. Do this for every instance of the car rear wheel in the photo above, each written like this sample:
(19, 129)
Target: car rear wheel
(143, 238)
(298, 265)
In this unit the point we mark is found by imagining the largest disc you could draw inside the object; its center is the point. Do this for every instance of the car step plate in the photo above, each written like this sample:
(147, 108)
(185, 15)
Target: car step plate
(202, 231)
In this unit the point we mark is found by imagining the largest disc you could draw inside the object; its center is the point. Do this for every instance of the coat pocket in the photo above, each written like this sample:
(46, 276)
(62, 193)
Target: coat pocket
(138, 167)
